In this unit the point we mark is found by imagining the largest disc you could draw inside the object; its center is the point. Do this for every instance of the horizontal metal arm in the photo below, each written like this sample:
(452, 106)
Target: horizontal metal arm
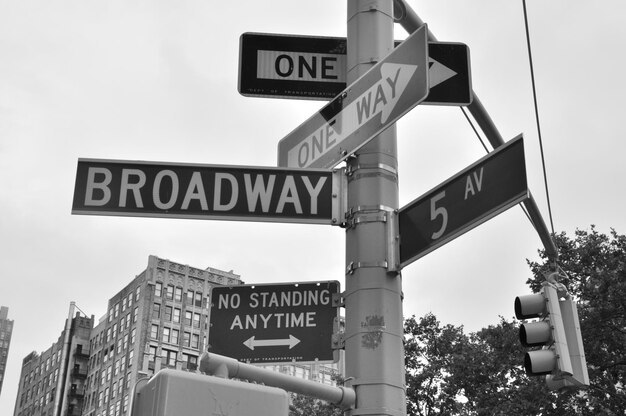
(410, 21)
(226, 367)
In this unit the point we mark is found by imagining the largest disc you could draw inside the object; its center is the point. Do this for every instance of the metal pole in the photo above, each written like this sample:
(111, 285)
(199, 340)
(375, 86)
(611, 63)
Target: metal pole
(226, 367)
(410, 21)
(60, 399)
(373, 296)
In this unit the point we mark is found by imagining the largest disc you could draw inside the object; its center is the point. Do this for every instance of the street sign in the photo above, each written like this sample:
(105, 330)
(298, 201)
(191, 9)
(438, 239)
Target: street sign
(274, 323)
(155, 189)
(481, 191)
(314, 68)
(449, 74)
(284, 66)
(367, 107)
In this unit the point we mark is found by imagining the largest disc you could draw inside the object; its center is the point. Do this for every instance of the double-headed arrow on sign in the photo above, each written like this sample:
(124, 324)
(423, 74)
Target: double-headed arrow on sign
(290, 342)
(367, 107)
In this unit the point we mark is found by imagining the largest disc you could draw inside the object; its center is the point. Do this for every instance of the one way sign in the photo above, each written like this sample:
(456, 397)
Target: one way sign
(365, 108)
(314, 68)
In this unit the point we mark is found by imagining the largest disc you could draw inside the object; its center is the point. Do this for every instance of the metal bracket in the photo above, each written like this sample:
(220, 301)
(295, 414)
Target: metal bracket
(350, 170)
(389, 216)
(393, 242)
(338, 301)
(363, 214)
(338, 341)
(362, 264)
(340, 197)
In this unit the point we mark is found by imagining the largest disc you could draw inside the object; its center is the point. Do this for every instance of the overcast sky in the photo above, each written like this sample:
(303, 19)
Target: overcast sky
(157, 81)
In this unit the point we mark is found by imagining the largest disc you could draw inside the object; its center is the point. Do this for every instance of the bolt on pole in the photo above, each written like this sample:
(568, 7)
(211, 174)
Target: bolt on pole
(373, 297)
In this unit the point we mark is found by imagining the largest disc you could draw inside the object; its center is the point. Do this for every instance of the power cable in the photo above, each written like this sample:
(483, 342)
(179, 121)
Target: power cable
(532, 76)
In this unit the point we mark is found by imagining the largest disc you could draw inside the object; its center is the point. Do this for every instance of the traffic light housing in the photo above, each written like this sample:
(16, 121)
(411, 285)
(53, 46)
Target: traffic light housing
(557, 331)
(180, 393)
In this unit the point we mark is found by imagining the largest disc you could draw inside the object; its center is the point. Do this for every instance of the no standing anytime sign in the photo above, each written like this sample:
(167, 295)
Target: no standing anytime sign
(277, 323)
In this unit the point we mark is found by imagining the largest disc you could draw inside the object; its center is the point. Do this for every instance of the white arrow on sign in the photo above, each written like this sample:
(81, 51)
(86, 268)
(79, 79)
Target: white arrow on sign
(364, 109)
(438, 72)
(253, 343)
(381, 97)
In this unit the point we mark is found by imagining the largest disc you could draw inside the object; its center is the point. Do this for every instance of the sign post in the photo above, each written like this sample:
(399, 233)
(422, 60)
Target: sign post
(374, 352)
(274, 323)
(479, 192)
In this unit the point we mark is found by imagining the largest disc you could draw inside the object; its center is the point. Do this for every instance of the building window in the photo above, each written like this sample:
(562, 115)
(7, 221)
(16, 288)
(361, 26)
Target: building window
(137, 293)
(178, 295)
(195, 341)
(158, 289)
(165, 337)
(135, 311)
(192, 361)
(176, 317)
(168, 357)
(174, 336)
(198, 299)
(190, 297)
(168, 313)
(152, 353)
(188, 316)
(186, 339)
(154, 332)
(170, 292)
(196, 320)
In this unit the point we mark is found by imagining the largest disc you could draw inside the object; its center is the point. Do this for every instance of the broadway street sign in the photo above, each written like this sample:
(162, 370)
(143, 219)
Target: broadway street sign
(155, 189)
(274, 323)
(480, 192)
(367, 107)
(314, 68)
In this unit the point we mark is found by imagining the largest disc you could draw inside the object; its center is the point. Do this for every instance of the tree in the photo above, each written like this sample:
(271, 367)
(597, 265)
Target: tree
(307, 406)
(451, 373)
(595, 264)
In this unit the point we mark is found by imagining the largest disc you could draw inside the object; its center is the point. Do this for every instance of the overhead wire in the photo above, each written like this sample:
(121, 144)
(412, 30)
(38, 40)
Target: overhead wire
(532, 77)
(543, 163)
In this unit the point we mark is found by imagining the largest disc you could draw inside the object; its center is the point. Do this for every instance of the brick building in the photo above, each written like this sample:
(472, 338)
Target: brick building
(53, 383)
(159, 320)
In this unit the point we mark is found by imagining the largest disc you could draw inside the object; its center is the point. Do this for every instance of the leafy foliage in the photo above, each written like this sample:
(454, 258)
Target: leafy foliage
(308, 406)
(451, 373)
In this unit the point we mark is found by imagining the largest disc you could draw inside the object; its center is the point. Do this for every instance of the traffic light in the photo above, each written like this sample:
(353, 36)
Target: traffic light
(557, 331)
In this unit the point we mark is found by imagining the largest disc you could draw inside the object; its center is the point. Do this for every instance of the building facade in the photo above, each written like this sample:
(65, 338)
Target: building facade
(159, 320)
(53, 383)
(6, 329)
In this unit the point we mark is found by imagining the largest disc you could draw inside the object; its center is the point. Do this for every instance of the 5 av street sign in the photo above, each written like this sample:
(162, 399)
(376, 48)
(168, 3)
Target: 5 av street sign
(154, 189)
(471, 197)
(277, 323)
(367, 107)
(313, 67)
